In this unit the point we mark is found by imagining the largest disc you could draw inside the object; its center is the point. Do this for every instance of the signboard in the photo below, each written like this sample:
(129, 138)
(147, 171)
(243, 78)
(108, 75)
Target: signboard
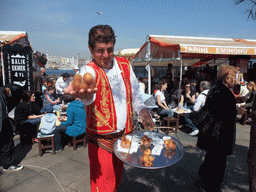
(17, 66)
(217, 50)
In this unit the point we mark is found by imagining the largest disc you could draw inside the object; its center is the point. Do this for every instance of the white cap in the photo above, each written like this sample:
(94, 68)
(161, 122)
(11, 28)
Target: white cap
(76, 67)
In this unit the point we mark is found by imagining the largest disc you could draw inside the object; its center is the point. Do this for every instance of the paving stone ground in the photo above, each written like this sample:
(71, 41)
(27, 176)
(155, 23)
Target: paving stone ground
(71, 169)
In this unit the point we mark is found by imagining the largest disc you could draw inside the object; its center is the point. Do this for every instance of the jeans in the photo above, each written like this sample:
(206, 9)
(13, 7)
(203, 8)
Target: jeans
(168, 112)
(59, 133)
(35, 123)
(189, 123)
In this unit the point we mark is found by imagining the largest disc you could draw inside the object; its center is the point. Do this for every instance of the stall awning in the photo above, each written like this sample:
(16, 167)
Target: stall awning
(162, 48)
(12, 37)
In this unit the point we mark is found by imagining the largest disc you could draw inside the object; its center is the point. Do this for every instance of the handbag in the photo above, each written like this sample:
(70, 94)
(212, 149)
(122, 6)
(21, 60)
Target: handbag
(202, 119)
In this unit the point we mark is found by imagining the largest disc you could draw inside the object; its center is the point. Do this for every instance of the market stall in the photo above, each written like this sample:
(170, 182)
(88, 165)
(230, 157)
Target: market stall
(16, 58)
(159, 50)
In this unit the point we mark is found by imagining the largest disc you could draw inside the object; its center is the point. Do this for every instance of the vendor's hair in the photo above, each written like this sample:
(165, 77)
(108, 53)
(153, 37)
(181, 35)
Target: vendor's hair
(205, 85)
(27, 95)
(101, 34)
(226, 71)
(253, 85)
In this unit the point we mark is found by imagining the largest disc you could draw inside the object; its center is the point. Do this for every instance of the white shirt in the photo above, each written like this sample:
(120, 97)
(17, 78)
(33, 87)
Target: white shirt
(243, 90)
(61, 84)
(200, 100)
(119, 92)
(162, 97)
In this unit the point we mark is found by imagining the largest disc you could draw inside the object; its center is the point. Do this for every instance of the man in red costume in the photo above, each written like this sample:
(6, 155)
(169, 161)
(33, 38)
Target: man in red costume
(109, 107)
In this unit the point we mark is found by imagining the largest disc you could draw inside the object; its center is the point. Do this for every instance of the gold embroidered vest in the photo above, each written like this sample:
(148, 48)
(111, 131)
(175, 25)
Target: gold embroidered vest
(101, 114)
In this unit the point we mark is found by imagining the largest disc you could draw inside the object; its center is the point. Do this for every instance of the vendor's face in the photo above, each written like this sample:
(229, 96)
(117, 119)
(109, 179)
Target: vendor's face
(103, 54)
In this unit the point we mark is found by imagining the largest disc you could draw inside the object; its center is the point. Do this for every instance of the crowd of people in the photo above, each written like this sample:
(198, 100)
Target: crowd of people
(105, 112)
(210, 95)
(35, 113)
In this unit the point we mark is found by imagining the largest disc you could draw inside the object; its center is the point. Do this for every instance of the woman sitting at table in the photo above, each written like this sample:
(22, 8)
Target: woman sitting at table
(27, 112)
(188, 96)
(73, 125)
(251, 86)
(163, 108)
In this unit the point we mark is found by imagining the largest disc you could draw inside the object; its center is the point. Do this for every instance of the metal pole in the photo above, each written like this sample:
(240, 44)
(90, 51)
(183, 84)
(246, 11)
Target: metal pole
(180, 78)
(148, 57)
(2, 63)
(149, 78)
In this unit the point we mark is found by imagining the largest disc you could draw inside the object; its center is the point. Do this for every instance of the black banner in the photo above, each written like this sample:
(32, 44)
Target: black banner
(18, 65)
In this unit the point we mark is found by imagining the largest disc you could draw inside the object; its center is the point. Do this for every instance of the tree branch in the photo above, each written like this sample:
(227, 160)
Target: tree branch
(252, 11)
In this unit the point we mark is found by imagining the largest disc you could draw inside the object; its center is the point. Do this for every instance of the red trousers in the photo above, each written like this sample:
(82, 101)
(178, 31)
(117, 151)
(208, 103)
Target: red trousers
(105, 169)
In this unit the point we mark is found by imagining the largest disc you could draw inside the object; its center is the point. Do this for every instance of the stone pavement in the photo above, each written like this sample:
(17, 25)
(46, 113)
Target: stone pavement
(71, 169)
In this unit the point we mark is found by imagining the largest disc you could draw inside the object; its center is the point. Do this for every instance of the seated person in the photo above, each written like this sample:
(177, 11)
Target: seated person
(193, 87)
(244, 90)
(73, 125)
(50, 100)
(49, 121)
(44, 87)
(163, 108)
(251, 86)
(27, 112)
(176, 95)
(187, 96)
(199, 103)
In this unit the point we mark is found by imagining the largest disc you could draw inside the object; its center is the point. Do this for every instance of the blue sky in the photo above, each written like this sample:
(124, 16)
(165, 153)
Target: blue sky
(61, 27)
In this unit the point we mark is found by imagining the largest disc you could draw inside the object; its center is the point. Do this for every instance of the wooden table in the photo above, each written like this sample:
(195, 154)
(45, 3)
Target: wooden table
(170, 120)
(180, 113)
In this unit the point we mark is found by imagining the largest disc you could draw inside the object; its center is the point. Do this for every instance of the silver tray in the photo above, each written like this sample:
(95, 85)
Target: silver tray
(165, 159)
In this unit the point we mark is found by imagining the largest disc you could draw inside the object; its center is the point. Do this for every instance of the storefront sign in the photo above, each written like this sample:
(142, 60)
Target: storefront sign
(217, 50)
(17, 67)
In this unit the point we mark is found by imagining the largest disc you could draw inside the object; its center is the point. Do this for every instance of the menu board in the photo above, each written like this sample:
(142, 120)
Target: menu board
(18, 67)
